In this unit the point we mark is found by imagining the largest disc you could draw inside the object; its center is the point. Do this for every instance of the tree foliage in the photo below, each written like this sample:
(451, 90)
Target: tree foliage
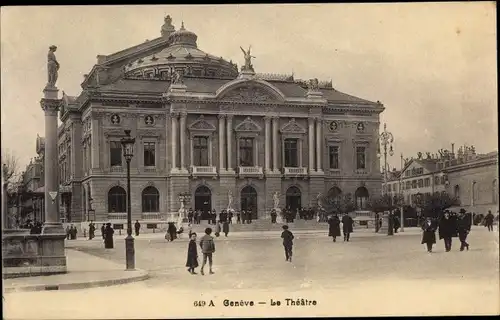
(385, 202)
(10, 169)
(338, 203)
(434, 204)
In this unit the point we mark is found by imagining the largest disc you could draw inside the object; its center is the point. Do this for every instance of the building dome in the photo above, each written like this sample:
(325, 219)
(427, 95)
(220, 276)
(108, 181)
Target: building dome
(181, 55)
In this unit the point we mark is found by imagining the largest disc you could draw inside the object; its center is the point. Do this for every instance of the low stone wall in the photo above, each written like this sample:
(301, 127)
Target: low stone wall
(32, 254)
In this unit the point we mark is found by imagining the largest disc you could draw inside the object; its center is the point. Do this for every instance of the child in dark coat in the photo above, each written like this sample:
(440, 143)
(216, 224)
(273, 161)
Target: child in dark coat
(192, 256)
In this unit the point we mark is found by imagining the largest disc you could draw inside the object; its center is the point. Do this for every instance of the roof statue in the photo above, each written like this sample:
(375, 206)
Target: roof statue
(313, 84)
(167, 27)
(52, 67)
(248, 59)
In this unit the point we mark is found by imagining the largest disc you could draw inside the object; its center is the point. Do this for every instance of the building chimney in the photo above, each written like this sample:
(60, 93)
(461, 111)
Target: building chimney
(452, 148)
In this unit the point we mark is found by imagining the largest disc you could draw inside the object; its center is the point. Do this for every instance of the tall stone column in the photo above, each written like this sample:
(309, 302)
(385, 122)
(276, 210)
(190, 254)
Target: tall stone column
(50, 105)
(175, 131)
(267, 145)
(319, 124)
(275, 145)
(222, 154)
(229, 142)
(183, 141)
(310, 132)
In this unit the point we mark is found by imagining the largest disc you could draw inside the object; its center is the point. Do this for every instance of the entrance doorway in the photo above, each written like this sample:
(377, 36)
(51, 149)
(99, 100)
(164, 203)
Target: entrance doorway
(293, 198)
(203, 201)
(249, 201)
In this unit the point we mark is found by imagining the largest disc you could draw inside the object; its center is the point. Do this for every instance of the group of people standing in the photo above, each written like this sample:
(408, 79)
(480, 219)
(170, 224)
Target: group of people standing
(449, 225)
(334, 226)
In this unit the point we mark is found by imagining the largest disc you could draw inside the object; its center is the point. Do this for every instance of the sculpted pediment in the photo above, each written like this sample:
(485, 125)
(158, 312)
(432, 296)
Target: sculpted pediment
(292, 127)
(201, 125)
(253, 94)
(248, 125)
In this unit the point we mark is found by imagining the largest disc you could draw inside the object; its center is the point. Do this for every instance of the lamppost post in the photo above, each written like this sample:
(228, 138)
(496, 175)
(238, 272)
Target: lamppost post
(386, 139)
(128, 152)
(401, 196)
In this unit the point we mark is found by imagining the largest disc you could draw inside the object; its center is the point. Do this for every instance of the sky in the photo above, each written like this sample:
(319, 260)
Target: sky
(432, 65)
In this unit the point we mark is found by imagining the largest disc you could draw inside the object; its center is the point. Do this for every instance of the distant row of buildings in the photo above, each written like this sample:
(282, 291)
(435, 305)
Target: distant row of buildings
(471, 178)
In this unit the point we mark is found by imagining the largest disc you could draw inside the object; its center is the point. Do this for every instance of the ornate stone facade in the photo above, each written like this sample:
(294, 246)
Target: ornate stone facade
(217, 130)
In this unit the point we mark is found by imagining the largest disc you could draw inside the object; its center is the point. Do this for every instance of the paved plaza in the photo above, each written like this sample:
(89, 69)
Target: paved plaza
(371, 275)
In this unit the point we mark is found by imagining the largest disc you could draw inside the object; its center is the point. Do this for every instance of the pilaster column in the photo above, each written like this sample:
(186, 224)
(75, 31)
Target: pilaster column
(319, 124)
(50, 105)
(95, 144)
(222, 154)
(229, 142)
(174, 140)
(183, 140)
(275, 144)
(267, 144)
(310, 132)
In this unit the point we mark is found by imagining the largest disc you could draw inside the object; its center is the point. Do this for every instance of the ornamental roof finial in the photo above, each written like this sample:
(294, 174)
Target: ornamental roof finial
(182, 26)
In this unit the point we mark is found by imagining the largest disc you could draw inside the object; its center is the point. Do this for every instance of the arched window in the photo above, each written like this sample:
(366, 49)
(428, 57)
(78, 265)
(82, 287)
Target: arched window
(474, 193)
(361, 196)
(334, 195)
(150, 200)
(456, 191)
(117, 200)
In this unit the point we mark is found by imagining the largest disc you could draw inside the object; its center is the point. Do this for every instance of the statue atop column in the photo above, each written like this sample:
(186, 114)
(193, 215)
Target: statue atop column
(248, 59)
(52, 67)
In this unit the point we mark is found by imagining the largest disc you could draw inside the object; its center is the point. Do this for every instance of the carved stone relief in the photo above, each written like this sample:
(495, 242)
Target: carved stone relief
(292, 127)
(248, 94)
(248, 125)
(201, 125)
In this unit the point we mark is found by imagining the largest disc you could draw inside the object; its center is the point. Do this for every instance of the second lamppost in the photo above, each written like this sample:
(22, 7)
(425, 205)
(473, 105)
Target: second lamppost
(386, 139)
(128, 152)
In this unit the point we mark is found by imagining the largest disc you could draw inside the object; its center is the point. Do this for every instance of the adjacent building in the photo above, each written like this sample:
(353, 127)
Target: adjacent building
(471, 178)
(205, 128)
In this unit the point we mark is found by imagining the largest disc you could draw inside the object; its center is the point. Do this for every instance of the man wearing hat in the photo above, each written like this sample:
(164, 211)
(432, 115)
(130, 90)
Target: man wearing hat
(464, 226)
(287, 237)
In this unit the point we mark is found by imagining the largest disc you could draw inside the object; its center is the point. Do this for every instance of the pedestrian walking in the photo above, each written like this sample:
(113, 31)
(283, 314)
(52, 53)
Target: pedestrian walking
(347, 226)
(287, 237)
(464, 226)
(217, 229)
(273, 215)
(137, 227)
(397, 223)
(68, 232)
(429, 233)
(238, 217)
(446, 230)
(103, 227)
(225, 228)
(171, 232)
(207, 246)
(192, 255)
(488, 220)
(334, 227)
(91, 230)
(73, 232)
(108, 236)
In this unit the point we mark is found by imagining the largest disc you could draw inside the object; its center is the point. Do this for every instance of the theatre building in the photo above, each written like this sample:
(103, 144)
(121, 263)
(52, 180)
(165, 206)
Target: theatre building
(205, 127)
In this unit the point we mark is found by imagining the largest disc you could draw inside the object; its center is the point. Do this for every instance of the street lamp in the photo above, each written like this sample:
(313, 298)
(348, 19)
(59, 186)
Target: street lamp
(128, 152)
(386, 139)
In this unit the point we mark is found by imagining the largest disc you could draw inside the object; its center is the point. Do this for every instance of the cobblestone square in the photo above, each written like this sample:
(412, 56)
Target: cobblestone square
(370, 275)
